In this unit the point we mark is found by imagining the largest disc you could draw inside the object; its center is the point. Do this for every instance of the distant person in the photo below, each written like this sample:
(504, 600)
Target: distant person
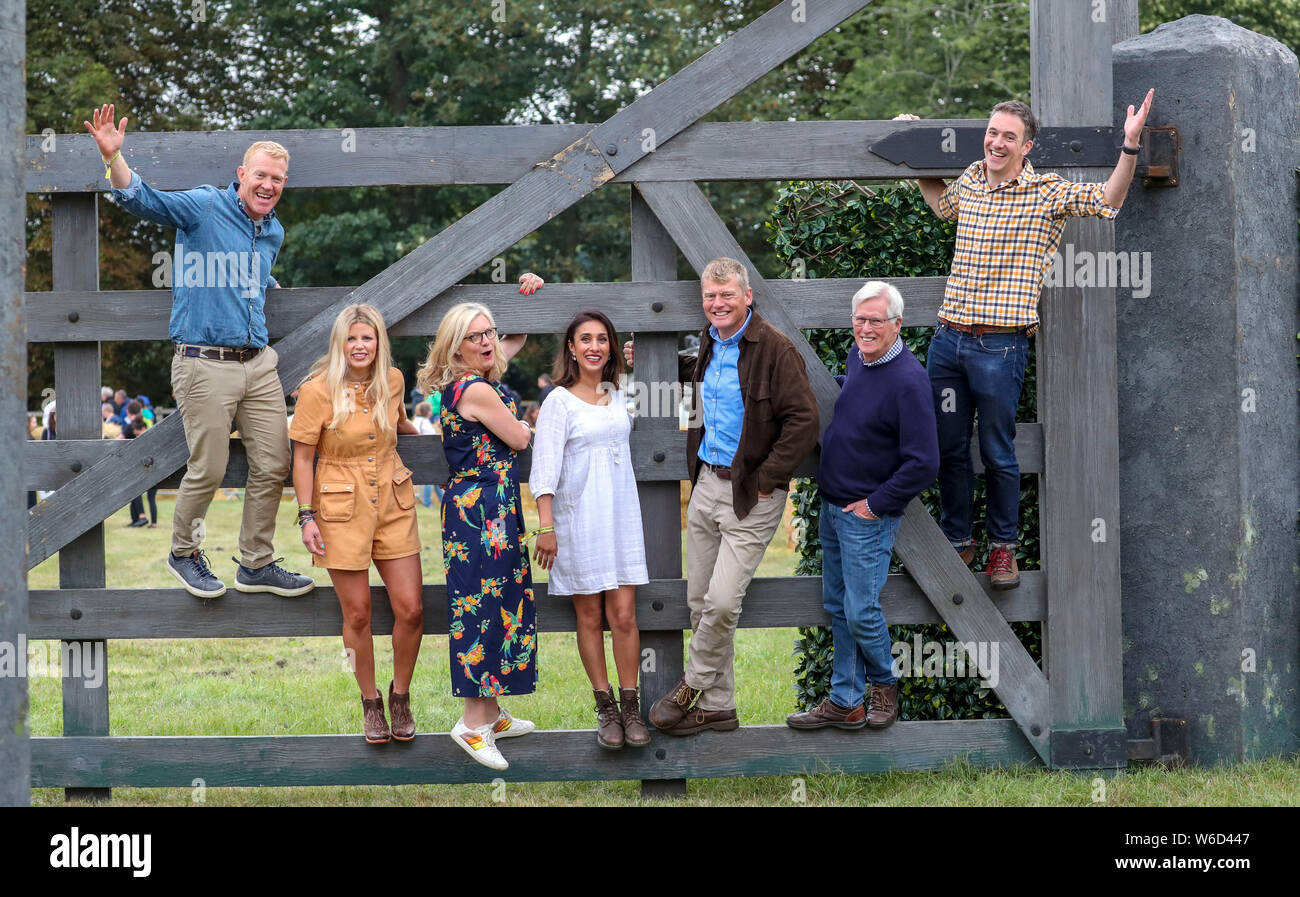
(120, 398)
(130, 430)
(425, 426)
(223, 372)
(545, 384)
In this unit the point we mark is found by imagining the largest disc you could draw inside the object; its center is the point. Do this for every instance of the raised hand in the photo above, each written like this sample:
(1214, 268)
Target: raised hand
(627, 352)
(1136, 121)
(108, 138)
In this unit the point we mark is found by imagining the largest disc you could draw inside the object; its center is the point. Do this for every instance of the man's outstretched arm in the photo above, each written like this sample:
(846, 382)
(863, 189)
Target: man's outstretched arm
(1118, 182)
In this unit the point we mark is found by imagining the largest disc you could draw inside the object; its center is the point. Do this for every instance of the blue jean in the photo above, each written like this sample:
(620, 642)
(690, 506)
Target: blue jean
(855, 562)
(984, 374)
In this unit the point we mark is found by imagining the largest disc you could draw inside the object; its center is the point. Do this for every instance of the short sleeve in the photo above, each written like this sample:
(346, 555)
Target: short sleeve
(548, 445)
(311, 413)
(1062, 198)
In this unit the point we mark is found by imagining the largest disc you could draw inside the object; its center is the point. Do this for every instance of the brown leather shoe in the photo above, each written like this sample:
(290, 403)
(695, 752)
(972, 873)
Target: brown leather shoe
(967, 554)
(399, 706)
(828, 713)
(376, 724)
(1002, 570)
(697, 720)
(635, 734)
(609, 724)
(669, 710)
(884, 706)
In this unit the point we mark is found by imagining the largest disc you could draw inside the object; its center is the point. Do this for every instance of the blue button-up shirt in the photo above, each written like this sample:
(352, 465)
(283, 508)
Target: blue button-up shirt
(221, 265)
(724, 408)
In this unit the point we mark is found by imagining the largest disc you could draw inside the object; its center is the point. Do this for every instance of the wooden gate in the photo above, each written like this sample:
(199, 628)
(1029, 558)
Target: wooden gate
(1069, 715)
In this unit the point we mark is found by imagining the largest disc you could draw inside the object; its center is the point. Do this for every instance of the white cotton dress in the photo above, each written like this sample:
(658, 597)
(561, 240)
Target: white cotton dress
(581, 456)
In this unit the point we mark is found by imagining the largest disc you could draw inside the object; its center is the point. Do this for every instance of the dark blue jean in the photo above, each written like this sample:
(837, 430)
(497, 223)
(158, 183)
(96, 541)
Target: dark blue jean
(855, 562)
(984, 374)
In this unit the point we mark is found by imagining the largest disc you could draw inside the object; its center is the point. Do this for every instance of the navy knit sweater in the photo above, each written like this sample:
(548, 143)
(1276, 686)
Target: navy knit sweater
(883, 443)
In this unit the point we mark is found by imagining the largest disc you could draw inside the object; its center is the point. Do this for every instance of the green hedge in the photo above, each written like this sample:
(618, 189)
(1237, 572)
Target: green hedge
(841, 229)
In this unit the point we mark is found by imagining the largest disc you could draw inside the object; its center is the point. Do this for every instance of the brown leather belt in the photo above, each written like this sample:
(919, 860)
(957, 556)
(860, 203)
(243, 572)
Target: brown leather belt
(218, 353)
(981, 329)
(722, 473)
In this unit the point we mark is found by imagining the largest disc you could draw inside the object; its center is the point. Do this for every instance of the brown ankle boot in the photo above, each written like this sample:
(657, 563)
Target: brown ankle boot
(609, 727)
(375, 722)
(635, 732)
(399, 706)
(884, 706)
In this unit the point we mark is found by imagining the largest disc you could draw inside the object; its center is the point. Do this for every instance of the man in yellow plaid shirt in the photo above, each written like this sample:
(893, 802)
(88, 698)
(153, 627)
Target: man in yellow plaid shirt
(1009, 224)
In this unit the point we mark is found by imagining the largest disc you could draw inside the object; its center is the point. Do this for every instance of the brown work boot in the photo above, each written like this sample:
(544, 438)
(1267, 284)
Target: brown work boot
(967, 554)
(635, 734)
(376, 724)
(1002, 570)
(697, 720)
(884, 706)
(609, 726)
(828, 713)
(669, 710)
(399, 706)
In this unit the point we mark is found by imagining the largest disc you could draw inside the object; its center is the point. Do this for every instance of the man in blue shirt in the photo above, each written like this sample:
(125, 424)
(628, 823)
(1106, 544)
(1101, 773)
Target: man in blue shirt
(223, 373)
(879, 452)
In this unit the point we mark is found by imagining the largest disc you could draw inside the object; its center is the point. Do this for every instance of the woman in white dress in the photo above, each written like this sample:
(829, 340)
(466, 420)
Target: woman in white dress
(590, 537)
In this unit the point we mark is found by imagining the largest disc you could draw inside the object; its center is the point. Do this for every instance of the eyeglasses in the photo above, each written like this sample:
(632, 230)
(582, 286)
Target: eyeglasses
(873, 323)
(477, 338)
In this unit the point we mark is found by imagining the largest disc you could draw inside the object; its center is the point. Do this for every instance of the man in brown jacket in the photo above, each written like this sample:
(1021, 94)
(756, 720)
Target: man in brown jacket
(755, 419)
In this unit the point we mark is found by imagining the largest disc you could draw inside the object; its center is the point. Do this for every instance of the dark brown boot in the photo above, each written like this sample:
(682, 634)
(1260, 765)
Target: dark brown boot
(375, 722)
(669, 710)
(399, 706)
(967, 554)
(884, 706)
(609, 725)
(635, 733)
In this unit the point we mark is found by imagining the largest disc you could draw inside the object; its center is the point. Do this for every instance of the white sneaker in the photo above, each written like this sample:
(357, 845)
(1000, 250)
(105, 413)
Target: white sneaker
(479, 744)
(508, 726)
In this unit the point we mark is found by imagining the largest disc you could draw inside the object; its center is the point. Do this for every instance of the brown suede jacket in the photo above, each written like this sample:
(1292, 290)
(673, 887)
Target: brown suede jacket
(781, 422)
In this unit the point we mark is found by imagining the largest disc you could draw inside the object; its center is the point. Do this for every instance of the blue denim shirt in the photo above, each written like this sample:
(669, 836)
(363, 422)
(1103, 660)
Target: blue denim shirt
(724, 407)
(221, 265)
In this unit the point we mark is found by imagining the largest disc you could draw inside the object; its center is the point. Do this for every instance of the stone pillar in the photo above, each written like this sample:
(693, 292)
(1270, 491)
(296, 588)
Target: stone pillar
(1208, 413)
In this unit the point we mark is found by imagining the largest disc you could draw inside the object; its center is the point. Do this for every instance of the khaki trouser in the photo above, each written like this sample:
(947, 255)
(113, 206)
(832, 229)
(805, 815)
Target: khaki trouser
(722, 554)
(212, 396)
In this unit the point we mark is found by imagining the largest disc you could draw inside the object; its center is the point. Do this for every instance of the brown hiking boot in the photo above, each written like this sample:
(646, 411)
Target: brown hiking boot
(376, 724)
(828, 713)
(609, 725)
(669, 710)
(697, 720)
(884, 706)
(967, 554)
(635, 734)
(1002, 570)
(399, 706)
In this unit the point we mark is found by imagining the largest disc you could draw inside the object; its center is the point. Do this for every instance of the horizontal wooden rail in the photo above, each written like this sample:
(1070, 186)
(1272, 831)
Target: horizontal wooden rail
(777, 601)
(50, 464)
(554, 756)
(362, 157)
(671, 306)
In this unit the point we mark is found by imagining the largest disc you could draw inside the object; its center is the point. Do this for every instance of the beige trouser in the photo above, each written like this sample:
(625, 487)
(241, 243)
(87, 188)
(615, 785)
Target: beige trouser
(722, 554)
(214, 396)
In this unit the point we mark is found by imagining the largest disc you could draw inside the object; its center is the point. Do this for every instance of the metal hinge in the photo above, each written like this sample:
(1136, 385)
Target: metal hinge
(1157, 161)
(1166, 746)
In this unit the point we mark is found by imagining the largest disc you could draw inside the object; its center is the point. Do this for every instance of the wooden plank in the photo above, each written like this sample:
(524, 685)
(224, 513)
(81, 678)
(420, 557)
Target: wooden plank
(707, 151)
(654, 258)
(75, 250)
(1078, 402)
(771, 602)
(49, 465)
(960, 599)
(548, 756)
(548, 189)
(700, 234)
(15, 748)
(124, 315)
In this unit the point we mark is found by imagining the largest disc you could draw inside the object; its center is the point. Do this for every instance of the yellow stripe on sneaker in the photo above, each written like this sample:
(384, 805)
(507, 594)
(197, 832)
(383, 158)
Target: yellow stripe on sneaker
(474, 741)
(502, 725)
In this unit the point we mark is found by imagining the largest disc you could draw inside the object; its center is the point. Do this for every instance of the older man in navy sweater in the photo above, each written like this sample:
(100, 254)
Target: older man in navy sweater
(879, 452)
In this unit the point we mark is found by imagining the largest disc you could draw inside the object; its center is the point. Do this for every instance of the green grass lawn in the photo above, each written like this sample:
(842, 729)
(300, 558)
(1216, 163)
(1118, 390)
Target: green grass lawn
(299, 686)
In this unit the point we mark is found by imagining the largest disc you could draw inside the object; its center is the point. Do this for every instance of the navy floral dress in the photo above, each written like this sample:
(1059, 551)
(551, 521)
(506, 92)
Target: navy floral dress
(490, 609)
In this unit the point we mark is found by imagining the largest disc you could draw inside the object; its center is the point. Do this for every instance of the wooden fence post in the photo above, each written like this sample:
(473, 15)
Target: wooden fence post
(654, 258)
(15, 745)
(76, 383)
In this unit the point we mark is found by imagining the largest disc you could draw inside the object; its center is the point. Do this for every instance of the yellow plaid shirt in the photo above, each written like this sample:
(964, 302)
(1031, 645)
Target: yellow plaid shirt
(1006, 237)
